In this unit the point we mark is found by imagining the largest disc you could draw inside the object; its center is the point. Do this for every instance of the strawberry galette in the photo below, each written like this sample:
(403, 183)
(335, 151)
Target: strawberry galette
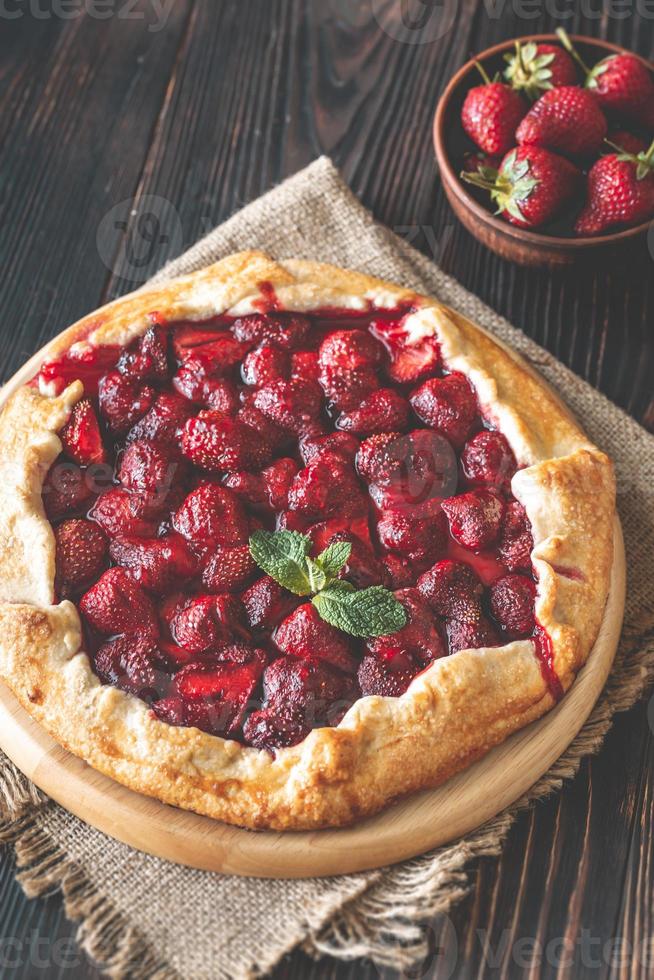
(281, 542)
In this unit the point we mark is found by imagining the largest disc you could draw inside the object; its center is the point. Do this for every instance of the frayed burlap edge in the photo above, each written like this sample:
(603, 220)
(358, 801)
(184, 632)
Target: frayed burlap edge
(117, 948)
(373, 926)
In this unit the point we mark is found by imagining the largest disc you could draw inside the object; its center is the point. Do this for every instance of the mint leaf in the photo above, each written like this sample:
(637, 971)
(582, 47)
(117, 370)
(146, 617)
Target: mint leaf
(283, 556)
(332, 559)
(317, 576)
(370, 612)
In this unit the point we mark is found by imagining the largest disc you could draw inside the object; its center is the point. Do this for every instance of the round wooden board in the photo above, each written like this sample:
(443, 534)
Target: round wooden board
(407, 828)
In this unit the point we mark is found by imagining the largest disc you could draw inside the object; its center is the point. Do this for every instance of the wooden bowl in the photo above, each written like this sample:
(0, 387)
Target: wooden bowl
(533, 248)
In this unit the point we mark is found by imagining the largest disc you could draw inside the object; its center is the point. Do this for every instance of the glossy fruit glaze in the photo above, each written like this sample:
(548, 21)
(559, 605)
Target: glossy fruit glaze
(333, 425)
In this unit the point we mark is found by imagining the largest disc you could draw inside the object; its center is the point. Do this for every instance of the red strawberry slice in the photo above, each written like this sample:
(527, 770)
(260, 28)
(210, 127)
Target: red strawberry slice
(81, 437)
(133, 663)
(229, 686)
(411, 359)
(186, 337)
(475, 518)
(212, 516)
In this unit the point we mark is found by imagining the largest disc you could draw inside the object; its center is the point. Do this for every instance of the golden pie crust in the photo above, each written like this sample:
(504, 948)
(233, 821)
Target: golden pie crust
(451, 714)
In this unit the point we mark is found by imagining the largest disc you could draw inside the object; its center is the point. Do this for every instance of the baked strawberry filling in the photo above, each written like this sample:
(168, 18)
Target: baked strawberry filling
(335, 426)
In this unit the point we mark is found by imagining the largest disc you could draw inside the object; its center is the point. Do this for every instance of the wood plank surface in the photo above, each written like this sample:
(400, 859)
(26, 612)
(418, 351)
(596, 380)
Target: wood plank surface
(222, 102)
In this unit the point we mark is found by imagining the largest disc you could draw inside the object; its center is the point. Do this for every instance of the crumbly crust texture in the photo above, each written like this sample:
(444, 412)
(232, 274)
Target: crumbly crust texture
(451, 714)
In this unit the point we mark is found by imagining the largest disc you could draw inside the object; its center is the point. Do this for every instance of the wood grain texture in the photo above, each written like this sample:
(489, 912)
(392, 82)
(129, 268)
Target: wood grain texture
(223, 102)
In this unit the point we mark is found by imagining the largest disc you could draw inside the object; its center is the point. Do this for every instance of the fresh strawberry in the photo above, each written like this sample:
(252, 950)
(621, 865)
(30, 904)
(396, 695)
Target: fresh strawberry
(448, 405)
(133, 663)
(324, 487)
(304, 634)
(475, 518)
(491, 113)
(148, 470)
(419, 638)
(118, 604)
(211, 517)
(418, 533)
(159, 565)
(512, 600)
(380, 411)
(81, 552)
(536, 68)
(487, 459)
(80, 437)
(264, 365)
(123, 401)
(566, 120)
(466, 635)
(66, 490)
(531, 187)
(477, 162)
(285, 330)
(452, 589)
(516, 541)
(621, 84)
(229, 569)
(291, 404)
(215, 442)
(625, 142)
(164, 422)
(147, 359)
(620, 193)
(119, 514)
(266, 603)
(410, 358)
(387, 677)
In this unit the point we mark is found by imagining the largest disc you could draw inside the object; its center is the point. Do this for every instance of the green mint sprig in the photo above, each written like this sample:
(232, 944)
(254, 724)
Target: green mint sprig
(284, 555)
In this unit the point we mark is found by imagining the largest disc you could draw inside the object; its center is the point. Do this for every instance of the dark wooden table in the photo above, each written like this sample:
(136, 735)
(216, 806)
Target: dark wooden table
(205, 108)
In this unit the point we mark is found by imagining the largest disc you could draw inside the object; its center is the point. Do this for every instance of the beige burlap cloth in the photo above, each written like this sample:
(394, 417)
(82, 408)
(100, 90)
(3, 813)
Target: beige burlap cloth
(142, 917)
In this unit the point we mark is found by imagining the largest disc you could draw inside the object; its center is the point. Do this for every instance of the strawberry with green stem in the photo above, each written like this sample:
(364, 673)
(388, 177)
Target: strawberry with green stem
(620, 192)
(621, 84)
(531, 186)
(535, 68)
(490, 114)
